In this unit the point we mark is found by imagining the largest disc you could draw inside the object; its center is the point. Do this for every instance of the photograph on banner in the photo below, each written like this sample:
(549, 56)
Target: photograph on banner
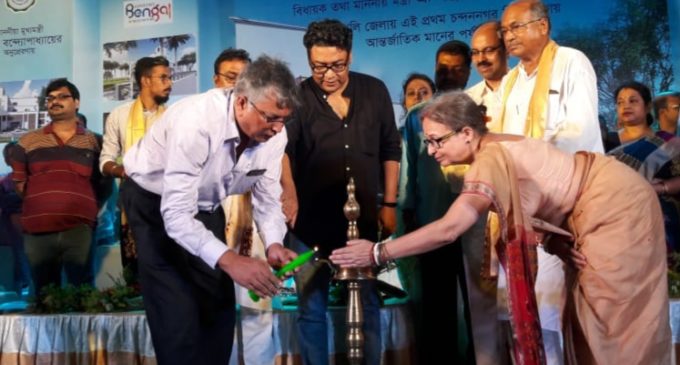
(120, 57)
(22, 108)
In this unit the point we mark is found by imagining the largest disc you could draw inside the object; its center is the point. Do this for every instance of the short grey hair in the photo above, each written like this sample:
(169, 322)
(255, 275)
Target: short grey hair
(456, 110)
(267, 76)
(538, 10)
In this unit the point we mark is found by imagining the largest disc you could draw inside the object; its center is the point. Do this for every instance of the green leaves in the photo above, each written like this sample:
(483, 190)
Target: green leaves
(86, 298)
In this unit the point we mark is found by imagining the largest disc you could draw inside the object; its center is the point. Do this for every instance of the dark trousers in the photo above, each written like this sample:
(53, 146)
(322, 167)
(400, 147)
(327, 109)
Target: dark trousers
(441, 274)
(49, 253)
(190, 306)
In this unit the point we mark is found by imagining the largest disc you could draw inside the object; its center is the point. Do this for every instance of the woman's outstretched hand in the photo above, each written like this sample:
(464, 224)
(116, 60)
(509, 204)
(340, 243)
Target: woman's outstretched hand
(357, 253)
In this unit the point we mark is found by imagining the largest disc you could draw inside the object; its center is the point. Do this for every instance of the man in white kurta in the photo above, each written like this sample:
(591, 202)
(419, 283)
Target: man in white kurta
(153, 76)
(125, 125)
(551, 95)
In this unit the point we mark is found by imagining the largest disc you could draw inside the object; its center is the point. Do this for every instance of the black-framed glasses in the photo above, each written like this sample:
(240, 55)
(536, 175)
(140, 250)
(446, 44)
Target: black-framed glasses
(437, 143)
(267, 118)
(60, 97)
(486, 51)
(516, 28)
(321, 69)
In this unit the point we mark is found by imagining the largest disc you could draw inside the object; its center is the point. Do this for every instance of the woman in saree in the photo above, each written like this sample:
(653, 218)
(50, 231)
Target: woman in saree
(655, 156)
(617, 298)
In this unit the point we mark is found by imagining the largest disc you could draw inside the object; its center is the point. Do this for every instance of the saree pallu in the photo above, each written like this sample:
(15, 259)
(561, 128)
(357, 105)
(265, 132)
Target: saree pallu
(493, 176)
(617, 306)
(657, 157)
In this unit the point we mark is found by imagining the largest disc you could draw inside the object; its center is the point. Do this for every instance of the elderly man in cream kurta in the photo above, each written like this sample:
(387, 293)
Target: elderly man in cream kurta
(551, 95)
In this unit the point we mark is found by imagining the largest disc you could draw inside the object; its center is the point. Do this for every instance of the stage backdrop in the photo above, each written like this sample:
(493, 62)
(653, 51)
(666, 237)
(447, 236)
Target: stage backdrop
(96, 42)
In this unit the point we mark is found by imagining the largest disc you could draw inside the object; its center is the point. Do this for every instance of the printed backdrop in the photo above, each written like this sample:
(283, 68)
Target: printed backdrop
(96, 42)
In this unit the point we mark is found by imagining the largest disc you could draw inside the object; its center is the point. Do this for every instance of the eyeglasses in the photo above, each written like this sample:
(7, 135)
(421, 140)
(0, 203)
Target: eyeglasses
(60, 97)
(268, 119)
(437, 143)
(486, 51)
(321, 69)
(516, 28)
(229, 77)
(164, 78)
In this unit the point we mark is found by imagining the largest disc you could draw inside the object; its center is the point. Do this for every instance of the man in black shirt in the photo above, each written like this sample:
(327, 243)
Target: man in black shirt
(345, 128)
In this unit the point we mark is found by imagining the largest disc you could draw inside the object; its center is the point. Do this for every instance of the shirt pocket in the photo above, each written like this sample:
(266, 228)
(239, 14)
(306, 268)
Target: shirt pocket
(241, 182)
(554, 113)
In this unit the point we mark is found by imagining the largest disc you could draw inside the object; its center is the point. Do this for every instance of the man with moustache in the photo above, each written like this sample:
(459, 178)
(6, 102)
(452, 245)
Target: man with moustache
(550, 95)
(204, 148)
(54, 169)
(128, 123)
(344, 129)
(491, 61)
(425, 194)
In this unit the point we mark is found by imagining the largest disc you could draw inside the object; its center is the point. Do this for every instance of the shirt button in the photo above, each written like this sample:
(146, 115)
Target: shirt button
(344, 125)
(346, 146)
(347, 168)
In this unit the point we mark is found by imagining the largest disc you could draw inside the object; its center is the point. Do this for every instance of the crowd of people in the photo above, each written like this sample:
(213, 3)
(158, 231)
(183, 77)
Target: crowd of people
(529, 244)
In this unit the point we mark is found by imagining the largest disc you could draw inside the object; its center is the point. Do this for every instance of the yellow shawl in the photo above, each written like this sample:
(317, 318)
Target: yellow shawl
(537, 113)
(137, 125)
(534, 128)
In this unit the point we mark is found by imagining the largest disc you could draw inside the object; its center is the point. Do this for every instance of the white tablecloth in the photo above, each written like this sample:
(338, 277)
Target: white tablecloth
(124, 338)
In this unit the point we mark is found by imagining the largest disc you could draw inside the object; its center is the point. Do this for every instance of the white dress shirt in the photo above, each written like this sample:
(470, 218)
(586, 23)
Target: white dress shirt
(481, 93)
(189, 158)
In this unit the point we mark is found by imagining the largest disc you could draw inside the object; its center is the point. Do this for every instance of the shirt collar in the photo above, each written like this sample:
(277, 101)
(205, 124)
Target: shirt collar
(524, 72)
(48, 129)
(232, 129)
(347, 92)
(232, 132)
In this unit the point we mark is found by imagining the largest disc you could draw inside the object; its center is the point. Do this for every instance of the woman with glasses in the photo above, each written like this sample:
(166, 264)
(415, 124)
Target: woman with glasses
(656, 156)
(617, 306)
